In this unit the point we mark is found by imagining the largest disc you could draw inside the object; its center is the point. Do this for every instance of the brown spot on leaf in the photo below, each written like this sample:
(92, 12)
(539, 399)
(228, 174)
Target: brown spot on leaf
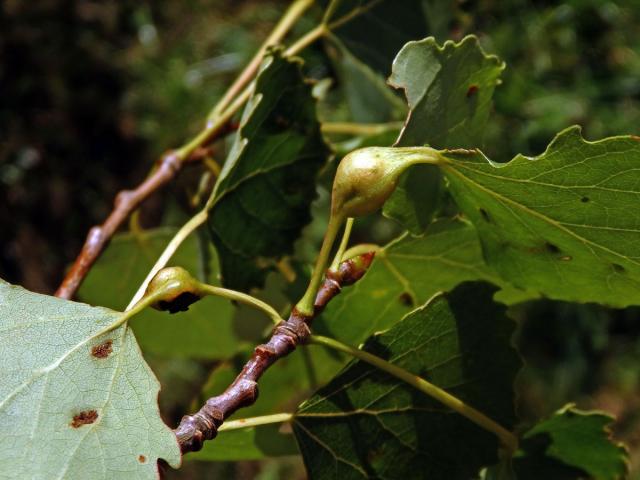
(406, 299)
(566, 258)
(103, 350)
(142, 458)
(635, 137)
(473, 89)
(86, 417)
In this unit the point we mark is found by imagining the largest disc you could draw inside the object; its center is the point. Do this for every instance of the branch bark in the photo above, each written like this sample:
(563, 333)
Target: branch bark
(287, 335)
(125, 203)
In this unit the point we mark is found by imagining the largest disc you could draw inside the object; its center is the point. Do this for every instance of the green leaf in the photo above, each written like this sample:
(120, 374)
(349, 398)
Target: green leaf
(395, 24)
(449, 90)
(362, 61)
(76, 400)
(262, 199)
(564, 223)
(407, 273)
(206, 330)
(368, 96)
(572, 444)
(368, 424)
(416, 199)
(253, 443)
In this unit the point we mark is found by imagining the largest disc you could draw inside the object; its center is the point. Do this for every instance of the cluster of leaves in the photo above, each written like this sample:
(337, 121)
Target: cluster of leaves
(558, 225)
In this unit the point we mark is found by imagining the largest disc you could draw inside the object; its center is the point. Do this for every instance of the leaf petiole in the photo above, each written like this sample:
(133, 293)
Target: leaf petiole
(242, 298)
(137, 308)
(256, 421)
(343, 245)
(174, 289)
(305, 305)
(508, 439)
(288, 20)
(347, 128)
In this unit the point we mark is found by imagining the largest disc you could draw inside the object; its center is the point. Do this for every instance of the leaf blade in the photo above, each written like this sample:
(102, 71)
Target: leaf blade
(571, 443)
(407, 273)
(371, 425)
(262, 199)
(90, 385)
(570, 237)
(253, 443)
(449, 90)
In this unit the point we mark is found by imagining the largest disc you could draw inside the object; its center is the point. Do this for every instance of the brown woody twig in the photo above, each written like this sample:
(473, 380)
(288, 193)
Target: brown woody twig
(243, 392)
(125, 203)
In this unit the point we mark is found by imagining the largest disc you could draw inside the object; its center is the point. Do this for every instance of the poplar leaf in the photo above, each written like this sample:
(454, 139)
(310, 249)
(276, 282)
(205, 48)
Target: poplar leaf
(77, 400)
(367, 424)
(564, 223)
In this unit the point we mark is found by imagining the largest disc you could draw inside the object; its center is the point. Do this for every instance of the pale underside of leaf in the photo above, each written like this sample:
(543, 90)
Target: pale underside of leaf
(77, 400)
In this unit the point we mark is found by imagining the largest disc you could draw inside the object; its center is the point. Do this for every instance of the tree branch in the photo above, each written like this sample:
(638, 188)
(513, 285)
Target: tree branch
(125, 203)
(287, 335)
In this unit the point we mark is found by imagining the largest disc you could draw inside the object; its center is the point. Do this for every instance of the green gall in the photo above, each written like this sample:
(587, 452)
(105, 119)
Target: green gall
(175, 289)
(367, 177)
(364, 180)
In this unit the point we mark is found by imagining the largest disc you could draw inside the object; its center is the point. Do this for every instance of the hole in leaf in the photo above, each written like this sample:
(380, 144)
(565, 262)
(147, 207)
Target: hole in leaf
(618, 268)
(473, 89)
(405, 299)
(584, 199)
(103, 350)
(485, 215)
(86, 417)
(551, 248)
